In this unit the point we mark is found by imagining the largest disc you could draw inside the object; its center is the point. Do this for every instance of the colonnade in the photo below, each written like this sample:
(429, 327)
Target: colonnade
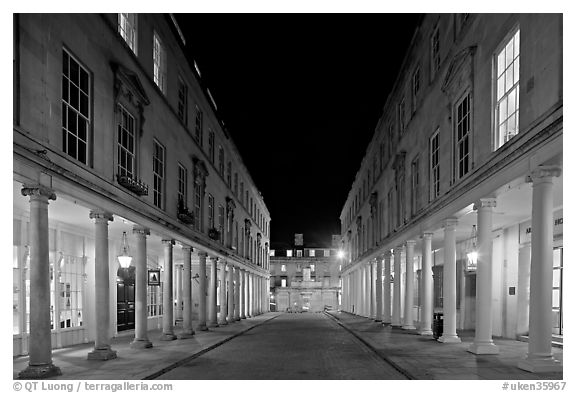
(243, 291)
(375, 291)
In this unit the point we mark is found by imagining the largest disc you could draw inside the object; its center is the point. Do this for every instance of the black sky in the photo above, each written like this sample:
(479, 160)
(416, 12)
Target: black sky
(301, 95)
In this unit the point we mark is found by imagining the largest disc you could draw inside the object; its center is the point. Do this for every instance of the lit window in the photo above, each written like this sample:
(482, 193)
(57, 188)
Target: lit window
(299, 253)
(288, 253)
(283, 284)
(462, 145)
(75, 108)
(283, 268)
(435, 165)
(182, 101)
(312, 253)
(159, 58)
(127, 28)
(507, 92)
(158, 170)
(126, 145)
(272, 253)
(312, 267)
(299, 267)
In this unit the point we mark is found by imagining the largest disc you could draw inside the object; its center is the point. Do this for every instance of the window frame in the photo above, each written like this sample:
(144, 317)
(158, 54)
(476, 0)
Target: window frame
(498, 139)
(434, 156)
(121, 148)
(183, 184)
(67, 106)
(435, 52)
(182, 100)
(122, 31)
(159, 177)
(160, 64)
(458, 156)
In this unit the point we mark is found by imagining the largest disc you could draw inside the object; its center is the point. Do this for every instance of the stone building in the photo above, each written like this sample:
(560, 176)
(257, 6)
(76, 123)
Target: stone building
(457, 205)
(119, 151)
(305, 277)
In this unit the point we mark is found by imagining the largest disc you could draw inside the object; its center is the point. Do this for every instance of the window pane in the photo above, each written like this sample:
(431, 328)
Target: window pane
(501, 64)
(509, 78)
(517, 44)
(509, 53)
(500, 91)
(516, 71)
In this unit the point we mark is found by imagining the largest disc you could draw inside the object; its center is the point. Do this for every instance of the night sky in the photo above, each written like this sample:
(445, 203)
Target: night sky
(301, 95)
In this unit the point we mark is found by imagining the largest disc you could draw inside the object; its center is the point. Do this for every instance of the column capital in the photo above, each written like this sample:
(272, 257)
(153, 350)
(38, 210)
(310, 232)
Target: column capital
(100, 215)
(410, 243)
(388, 254)
(399, 248)
(485, 203)
(168, 242)
(543, 171)
(203, 254)
(427, 235)
(187, 247)
(140, 230)
(379, 258)
(38, 191)
(450, 223)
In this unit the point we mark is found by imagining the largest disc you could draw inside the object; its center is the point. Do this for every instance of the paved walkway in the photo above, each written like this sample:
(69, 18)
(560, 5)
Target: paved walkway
(138, 364)
(294, 346)
(422, 357)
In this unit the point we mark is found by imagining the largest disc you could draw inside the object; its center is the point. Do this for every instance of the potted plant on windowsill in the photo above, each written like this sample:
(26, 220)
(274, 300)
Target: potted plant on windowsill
(213, 234)
(184, 215)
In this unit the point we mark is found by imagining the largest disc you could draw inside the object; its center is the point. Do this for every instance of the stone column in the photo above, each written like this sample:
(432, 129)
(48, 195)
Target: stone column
(213, 294)
(187, 330)
(102, 350)
(387, 299)
(409, 293)
(40, 345)
(483, 343)
(168, 303)
(427, 287)
(141, 316)
(363, 308)
(371, 267)
(242, 294)
(248, 295)
(178, 291)
(378, 317)
(449, 283)
(223, 303)
(397, 299)
(539, 357)
(202, 291)
(230, 317)
(523, 292)
(237, 294)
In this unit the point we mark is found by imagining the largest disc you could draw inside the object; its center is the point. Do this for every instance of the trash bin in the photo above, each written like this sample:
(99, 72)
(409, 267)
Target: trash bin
(438, 325)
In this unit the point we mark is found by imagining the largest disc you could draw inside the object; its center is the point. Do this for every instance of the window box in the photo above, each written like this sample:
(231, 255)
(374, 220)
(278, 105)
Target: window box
(133, 184)
(214, 234)
(185, 215)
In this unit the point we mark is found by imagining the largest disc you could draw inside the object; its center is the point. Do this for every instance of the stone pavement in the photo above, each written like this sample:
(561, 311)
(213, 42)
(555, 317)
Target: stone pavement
(422, 357)
(138, 364)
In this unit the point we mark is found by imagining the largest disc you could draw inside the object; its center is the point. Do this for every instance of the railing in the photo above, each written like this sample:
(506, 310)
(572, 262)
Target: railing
(133, 184)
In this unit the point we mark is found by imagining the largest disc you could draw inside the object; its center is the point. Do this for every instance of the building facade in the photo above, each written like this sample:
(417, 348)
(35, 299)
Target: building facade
(457, 205)
(119, 151)
(305, 277)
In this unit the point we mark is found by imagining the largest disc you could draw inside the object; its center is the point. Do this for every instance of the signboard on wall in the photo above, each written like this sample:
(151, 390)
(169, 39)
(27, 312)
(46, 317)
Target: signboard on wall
(154, 277)
(526, 227)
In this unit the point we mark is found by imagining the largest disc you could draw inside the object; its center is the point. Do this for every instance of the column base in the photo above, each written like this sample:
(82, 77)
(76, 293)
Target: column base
(222, 323)
(540, 364)
(202, 327)
(426, 332)
(230, 320)
(140, 344)
(386, 323)
(243, 317)
(167, 337)
(40, 371)
(187, 333)
(378, 320)
(484, 348)
(102, 354)
(399, 327)
(409, 327)
(237, 319)
(449, 339)
(212, 325)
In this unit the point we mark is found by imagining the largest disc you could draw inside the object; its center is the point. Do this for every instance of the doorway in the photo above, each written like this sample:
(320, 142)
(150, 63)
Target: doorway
(125, 299)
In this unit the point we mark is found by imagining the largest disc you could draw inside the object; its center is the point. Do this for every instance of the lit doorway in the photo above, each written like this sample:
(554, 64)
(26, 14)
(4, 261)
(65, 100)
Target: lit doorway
(125, 298)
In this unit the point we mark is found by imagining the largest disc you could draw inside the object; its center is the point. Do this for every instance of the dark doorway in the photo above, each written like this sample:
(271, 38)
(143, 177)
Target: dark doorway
(125, 297)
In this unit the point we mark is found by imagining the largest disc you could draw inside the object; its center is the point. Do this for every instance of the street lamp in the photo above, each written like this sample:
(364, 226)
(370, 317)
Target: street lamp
(125, 259)
(472, 255)
(340, 254)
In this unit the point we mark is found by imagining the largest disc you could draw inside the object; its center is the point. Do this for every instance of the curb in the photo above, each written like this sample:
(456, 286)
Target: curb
(172, 366)
(401, 370)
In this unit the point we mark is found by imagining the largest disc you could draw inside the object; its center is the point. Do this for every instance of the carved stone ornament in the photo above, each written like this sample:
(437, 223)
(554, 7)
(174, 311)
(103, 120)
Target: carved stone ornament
(129, 90)
(200, 172)
(230, 206)
(38, 191)
(247, 225)
(460, 72)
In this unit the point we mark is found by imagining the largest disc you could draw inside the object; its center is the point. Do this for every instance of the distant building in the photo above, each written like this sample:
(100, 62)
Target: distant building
(457, 206)
(305, 277)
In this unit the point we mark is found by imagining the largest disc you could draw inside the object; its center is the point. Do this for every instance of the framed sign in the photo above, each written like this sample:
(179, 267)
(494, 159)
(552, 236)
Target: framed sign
(154, 277)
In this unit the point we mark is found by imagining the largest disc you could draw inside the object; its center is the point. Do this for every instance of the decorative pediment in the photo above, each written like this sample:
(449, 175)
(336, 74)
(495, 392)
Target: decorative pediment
(200, 169)
(460, 71)
(247, 224)
(230, 205)
(128, 85)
